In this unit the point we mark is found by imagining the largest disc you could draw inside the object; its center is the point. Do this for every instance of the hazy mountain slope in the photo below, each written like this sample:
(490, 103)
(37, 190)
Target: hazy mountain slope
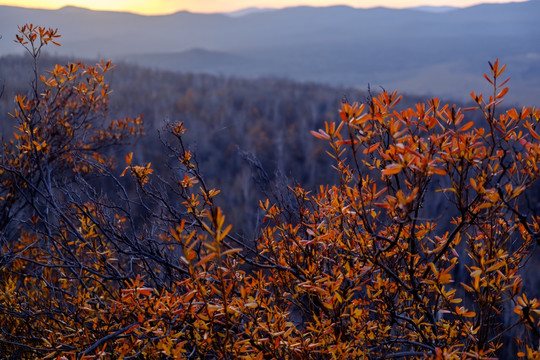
(429, 52)
(196, 60)
(434, 9)
(249, 10)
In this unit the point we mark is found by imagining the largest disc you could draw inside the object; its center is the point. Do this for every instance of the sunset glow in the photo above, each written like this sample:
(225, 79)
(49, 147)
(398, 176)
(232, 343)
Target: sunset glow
(208, 6)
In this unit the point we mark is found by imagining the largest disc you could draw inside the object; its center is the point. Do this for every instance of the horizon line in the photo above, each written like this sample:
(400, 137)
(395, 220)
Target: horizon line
(261, 8)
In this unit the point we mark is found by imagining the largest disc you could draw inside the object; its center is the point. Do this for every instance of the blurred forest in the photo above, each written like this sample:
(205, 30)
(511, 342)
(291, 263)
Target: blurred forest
(251, 137)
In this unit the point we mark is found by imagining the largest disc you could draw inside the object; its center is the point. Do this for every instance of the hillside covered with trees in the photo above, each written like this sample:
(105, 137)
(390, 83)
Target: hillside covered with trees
(400, 229)
(431, 53)
(250, 136)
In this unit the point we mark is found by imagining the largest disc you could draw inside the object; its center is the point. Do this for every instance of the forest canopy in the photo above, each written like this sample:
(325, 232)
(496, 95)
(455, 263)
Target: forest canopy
(420, 247)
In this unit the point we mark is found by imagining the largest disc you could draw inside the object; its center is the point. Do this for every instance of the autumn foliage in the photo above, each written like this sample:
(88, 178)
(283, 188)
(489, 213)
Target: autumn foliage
(100, 263)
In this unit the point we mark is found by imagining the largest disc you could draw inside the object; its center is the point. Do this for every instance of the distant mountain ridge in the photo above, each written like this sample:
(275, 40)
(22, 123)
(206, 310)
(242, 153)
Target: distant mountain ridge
(434, 9)
(249, 10)
(423, 50)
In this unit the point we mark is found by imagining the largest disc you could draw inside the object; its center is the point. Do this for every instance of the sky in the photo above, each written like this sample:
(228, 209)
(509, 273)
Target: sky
(153, 7)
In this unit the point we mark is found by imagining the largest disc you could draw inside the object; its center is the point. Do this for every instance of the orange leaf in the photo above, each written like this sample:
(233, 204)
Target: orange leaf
(129, 158)
(124, 172)
(371, 149)
(439, 171)
(534, 134)
(466, 126)
(392, 169)
(145, 290)
(502, 93)
(513, 114)
(320, 135)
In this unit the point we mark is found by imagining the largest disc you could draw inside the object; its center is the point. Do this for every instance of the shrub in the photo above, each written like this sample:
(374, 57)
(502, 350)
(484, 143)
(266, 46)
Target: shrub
(97, 264)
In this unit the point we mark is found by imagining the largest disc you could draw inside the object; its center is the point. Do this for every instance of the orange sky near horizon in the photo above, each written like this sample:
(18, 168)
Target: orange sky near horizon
(154, 7)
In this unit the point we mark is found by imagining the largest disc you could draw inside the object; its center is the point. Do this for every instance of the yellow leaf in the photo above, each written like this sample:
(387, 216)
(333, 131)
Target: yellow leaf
(495, 267)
